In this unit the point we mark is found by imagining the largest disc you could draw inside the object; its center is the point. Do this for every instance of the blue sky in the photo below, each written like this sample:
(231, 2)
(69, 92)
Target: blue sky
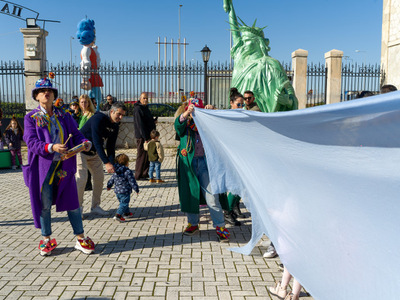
(128, 30)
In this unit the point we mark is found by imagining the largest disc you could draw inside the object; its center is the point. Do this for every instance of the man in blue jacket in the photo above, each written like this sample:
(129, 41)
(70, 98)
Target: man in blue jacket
(100, 128)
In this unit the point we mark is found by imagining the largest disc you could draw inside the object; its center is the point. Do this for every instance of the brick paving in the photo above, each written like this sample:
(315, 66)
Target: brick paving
(144, 258)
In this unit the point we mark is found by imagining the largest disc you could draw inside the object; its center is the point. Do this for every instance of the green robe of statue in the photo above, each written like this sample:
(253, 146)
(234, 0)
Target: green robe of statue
(255, 70)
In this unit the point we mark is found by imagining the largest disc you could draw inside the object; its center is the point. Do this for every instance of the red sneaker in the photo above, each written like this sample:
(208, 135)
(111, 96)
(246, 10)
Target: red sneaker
(85, 245)
(119, 218)
(47, 246)
(191, 230)
(128, 215)
(223, 234)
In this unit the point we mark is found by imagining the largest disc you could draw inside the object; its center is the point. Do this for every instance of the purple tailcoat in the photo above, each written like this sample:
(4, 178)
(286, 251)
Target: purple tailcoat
(39, 161)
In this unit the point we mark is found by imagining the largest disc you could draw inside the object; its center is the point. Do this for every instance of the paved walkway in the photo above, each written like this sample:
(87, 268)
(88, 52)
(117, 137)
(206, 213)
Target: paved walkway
(145, 258)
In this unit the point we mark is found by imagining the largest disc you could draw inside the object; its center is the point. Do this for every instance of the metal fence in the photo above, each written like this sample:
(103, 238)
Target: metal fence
(126, 81)
(12, 88)
(357, 78)
(316, 84)
(219, 78)
(164, 84)
(167, 83)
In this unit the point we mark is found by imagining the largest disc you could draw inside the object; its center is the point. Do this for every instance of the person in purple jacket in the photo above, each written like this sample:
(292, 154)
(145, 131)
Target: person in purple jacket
(49, 132)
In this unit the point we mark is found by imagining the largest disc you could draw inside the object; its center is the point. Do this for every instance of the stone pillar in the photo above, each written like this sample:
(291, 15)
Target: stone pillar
(333, 62)
(299, 63)
(35, 60)
(390, 47)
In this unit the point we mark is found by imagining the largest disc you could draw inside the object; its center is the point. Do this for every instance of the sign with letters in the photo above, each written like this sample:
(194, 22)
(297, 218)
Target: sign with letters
(17, 11)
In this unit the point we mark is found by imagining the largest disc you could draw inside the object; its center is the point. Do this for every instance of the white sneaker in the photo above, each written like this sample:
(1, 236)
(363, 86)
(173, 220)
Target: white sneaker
(85, 245)
(99, 211)
(270, 253)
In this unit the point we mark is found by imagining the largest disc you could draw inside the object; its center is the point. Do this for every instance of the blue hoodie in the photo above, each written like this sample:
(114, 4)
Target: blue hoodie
(123, 179)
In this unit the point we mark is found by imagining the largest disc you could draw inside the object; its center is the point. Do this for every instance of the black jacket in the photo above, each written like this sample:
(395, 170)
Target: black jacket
(13, 138)
(98, 129)
(143, 120)
(107, 106)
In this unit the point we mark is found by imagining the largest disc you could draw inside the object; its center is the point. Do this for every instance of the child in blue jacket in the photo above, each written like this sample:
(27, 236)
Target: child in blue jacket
(124, 181)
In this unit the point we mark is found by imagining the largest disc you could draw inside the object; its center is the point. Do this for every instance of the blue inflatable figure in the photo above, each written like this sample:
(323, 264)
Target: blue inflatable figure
(90, 60)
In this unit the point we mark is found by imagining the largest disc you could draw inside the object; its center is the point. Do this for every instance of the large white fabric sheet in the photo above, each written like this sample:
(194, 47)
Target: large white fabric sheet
(323, 184)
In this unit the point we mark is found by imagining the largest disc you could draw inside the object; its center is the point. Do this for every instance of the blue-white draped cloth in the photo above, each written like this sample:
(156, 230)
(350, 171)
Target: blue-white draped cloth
(323, 184)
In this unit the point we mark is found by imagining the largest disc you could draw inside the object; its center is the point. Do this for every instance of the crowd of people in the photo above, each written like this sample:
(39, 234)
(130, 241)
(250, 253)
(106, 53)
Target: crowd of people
(50, 131)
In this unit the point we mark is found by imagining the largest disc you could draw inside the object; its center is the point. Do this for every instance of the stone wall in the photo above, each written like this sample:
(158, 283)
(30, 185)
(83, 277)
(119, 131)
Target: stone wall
(390, 49)
(126, 136)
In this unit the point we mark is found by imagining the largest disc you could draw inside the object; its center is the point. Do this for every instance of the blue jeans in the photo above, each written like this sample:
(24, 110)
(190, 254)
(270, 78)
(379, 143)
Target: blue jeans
(155, 165)
(95, 92)
(48, 193)
(124, 200)
(199, 165)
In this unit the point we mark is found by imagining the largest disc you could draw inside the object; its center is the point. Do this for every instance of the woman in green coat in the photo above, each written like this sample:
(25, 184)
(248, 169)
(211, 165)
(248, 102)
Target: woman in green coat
(193, 177)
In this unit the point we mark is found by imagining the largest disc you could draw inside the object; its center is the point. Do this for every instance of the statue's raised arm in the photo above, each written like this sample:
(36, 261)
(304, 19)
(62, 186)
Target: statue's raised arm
(228, 7)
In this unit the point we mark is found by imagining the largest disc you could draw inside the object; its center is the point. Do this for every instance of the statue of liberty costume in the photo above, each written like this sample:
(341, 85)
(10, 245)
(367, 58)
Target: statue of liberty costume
(255, 70)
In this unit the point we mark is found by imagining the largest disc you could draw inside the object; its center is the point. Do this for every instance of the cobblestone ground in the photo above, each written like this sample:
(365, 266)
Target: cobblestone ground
(145, 258)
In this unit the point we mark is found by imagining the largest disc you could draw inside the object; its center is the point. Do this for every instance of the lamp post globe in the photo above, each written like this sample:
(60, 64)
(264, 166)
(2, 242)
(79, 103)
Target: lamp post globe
(205, 53)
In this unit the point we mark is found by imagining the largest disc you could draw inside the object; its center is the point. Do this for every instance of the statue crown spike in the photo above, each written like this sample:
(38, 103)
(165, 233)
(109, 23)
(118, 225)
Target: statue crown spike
(243, 27)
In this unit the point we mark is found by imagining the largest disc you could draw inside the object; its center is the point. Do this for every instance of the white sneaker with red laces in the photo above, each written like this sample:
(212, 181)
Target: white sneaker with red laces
(85, 245)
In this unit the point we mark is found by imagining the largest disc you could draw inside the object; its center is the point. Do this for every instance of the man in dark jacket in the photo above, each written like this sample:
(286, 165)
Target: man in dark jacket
(99, 128)
(144, 124)
(109, 103)
(249, 99)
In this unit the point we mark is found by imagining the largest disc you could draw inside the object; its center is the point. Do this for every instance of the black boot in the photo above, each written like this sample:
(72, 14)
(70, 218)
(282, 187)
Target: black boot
(238, 213)
(230, 218)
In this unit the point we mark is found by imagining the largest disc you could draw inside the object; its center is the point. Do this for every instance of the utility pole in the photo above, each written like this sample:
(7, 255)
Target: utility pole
(179, 54)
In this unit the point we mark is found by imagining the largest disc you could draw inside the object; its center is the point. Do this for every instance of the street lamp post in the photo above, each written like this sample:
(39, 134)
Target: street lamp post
(205, 53)
(363, 53)
(179, 53)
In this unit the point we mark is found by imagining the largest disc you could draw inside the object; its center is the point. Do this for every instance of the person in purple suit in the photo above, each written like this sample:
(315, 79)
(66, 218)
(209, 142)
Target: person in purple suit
(49, 132)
